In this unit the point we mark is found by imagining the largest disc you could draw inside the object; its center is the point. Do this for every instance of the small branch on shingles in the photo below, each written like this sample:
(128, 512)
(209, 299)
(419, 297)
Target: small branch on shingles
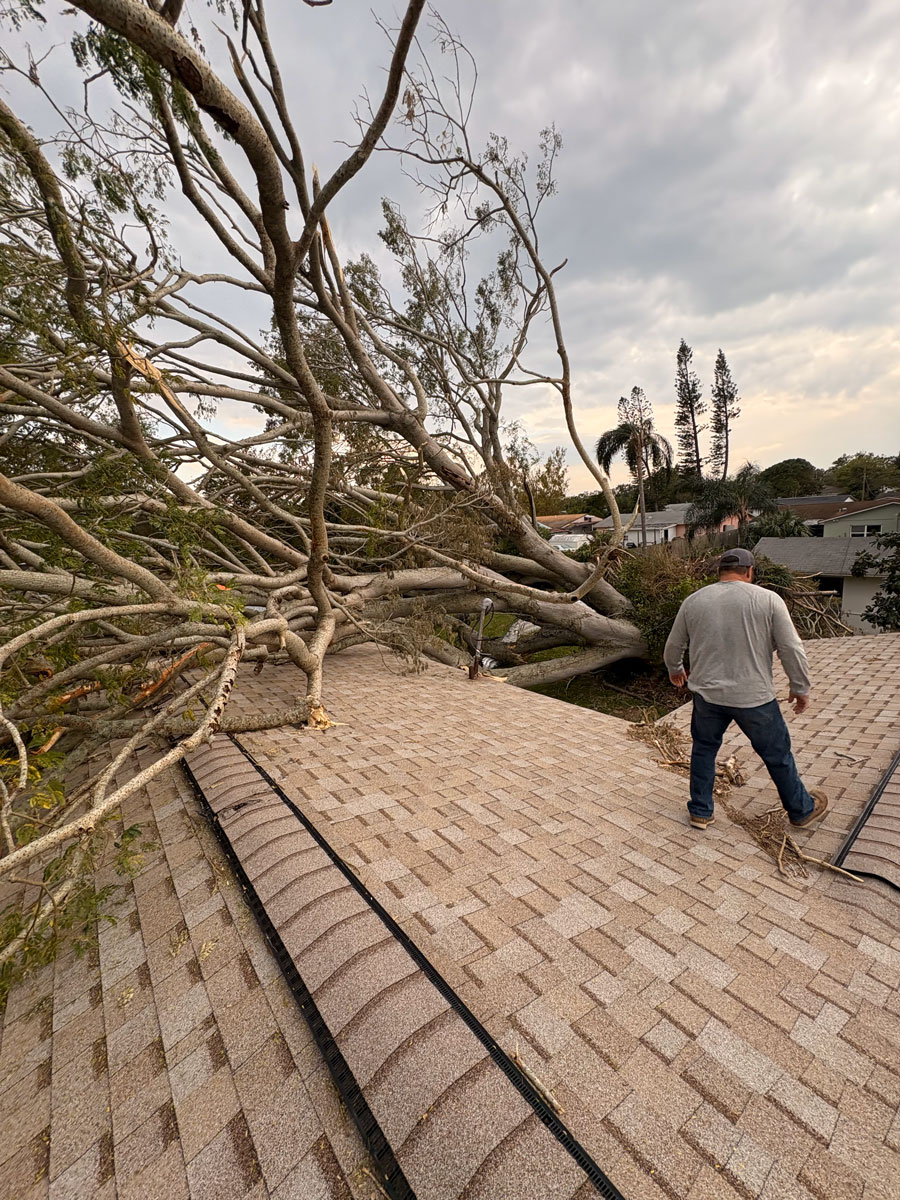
(539, 1086)
(366, 1171)
(766, 828)
(789, 841)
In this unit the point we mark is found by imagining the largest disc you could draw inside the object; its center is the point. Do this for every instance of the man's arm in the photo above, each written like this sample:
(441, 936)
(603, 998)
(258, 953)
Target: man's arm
(792, 655)
(676, 644)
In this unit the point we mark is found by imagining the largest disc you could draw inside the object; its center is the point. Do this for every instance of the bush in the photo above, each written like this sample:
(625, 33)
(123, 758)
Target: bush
(884, 611)
(656, 582)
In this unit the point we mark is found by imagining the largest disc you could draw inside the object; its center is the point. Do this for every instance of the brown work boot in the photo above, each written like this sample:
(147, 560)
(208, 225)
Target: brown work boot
(819, 811)
(702, 822)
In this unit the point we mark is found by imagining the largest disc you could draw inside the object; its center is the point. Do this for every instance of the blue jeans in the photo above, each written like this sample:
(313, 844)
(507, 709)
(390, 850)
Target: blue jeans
(768, 734)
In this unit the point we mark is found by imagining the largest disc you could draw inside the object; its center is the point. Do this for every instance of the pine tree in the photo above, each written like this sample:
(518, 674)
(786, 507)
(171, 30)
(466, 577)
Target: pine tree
(689, 407)
(724, 412)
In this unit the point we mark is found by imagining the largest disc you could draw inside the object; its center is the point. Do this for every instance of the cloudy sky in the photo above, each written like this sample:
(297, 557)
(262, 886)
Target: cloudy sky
(729, 175)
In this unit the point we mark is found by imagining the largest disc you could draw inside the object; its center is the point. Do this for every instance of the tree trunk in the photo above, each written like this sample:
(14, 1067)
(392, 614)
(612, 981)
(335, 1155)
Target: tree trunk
(641, 502)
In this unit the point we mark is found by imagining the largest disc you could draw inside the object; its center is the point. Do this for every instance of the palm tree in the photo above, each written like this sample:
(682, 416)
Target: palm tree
(744, 496)
(644, 449)
(780, 524)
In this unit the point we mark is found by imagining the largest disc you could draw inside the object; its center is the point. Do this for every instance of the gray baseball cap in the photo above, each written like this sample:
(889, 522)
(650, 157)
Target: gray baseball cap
(738, 557)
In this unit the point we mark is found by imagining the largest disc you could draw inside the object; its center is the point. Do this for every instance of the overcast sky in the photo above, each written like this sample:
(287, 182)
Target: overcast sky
(729, 175)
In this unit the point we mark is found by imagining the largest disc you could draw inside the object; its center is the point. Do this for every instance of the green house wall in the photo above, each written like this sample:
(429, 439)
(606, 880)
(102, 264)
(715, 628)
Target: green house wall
(887, 517)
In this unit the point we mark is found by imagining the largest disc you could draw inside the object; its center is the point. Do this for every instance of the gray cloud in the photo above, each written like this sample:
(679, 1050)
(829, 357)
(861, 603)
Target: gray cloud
(729, 175)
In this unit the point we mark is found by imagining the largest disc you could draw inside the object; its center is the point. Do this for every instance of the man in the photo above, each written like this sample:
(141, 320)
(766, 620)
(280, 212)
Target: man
(732, 628)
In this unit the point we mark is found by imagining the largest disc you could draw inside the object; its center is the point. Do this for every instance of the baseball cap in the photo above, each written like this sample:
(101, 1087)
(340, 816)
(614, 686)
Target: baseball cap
(738, 557)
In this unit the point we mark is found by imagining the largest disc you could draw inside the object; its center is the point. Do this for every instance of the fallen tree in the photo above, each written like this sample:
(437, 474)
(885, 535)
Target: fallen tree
(374, 499)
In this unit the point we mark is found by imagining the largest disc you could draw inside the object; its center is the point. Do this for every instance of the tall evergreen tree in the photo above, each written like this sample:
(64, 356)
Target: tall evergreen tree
(689, 407)
(724, 411)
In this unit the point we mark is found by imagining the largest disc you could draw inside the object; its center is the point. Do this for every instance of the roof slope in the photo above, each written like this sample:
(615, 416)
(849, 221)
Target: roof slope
(808, 510)
(173, 1061)
(712, 1029)
(684, 1001)
(672, 514)
(816, 555)
(820, 498)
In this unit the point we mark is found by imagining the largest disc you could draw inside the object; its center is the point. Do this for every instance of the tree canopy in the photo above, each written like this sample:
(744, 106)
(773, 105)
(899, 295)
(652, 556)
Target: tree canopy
(865, 476)
(147, 554)
(793, 477)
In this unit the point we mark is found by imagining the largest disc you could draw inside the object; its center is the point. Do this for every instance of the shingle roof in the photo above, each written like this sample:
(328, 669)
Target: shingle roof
(822, 498)
(865, 506)
(561, 521)
(672, 514)
(685, 1002)
(819, 556)
(815, 511)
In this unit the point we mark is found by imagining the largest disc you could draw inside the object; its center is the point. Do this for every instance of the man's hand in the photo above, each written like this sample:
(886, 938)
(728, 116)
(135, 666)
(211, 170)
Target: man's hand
(800, 703)
(678, 679)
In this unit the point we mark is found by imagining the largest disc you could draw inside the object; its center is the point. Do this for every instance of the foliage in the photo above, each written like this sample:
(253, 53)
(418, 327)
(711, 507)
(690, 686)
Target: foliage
(656, 582)
(364, 492)
(793, 477)
(741, 496)
(661, 488)
(864, 476)
(689, 408)
(543, 481)
(68, 904)
(725, 412)
(586, 502)
(779, 523)
(884, 611)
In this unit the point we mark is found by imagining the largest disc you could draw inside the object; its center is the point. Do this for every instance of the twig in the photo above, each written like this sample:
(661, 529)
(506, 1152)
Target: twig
(820, 861)
(536, 1083)
(366, 1171)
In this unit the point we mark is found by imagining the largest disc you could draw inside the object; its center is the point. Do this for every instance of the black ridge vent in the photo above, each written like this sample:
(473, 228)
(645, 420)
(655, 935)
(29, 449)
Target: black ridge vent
(522, 1084)
(391, 1177)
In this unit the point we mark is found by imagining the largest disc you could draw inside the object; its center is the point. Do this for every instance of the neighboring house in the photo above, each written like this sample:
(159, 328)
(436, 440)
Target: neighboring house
(839, 516)
(571, 523)
(866, 518)
(664, 526)
(831, 559)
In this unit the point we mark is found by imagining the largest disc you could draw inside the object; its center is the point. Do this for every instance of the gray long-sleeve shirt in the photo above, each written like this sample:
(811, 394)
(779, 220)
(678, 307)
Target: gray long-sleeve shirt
(732, 629)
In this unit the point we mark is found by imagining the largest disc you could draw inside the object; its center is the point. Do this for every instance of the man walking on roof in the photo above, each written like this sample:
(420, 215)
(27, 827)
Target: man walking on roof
(732, 630)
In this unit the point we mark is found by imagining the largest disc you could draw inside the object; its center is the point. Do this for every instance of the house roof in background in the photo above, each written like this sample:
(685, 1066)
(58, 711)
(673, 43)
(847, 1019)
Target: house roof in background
(672, 514)
(865, 506)
(561, 521)
(814, 555)
(836, 508)
(822, 498)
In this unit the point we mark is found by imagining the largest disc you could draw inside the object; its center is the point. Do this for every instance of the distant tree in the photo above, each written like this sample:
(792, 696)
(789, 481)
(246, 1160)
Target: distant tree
(864, 476)
(587, 502)
(539, 486)
(725, 412)
(781, 524)
(644, 449)
(793, 477)
(884, 611)
(743, 496)
(549, 481)
(689, 407)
